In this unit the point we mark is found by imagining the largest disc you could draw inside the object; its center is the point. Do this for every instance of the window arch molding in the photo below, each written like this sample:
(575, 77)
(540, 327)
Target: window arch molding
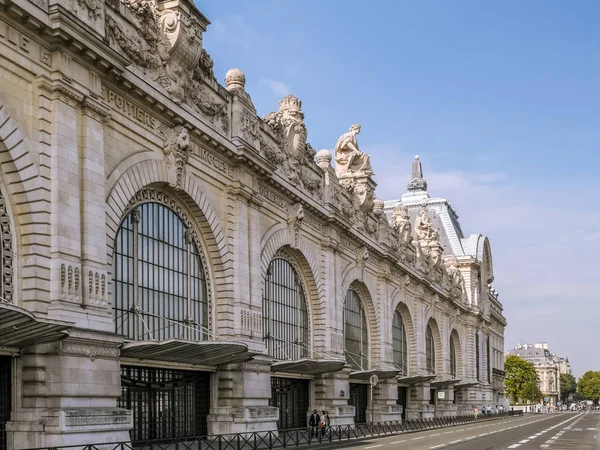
(288, 255)
(458, 352)
(364, 299)
(193, 235)
(7, 256)
(437, 345)
(409, 331)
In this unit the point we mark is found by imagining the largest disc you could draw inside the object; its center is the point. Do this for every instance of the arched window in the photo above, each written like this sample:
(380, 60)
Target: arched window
(429, 350)
(160, 289)
(356, 336)
(285, 316)
(452, 357)
(399, 342)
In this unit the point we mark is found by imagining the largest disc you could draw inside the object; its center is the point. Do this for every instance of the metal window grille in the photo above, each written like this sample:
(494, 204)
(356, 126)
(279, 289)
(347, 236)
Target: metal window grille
(285, 315)
(159, 279)
(356, 339)
(165, 403)
(291, 397)
(429, 350)
(452, 357)
(399, 342)
(5, 397)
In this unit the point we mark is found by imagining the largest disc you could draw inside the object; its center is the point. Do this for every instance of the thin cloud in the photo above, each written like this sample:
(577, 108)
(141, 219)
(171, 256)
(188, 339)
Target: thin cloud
(278, 88)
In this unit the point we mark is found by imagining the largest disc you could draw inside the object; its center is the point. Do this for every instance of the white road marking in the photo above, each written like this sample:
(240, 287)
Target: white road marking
(514, 446)
(437, 446)
(417, 438)
(398, 442)
(454, 442)
(436, 434)
(374, 446)
(484, 434)
(544, 446)
(524, 441)
(448, 432)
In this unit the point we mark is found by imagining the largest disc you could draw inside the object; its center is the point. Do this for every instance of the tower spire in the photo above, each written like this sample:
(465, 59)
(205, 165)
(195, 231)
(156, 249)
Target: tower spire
(417, 182)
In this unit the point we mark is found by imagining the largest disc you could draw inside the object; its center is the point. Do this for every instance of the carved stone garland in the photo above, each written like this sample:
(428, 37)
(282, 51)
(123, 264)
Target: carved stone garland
(151, 195)
(6, 288)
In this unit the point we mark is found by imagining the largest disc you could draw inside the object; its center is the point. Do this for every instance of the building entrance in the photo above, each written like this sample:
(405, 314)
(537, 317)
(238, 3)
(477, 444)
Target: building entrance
(5, 397)
(402, 400)
(359, 399)
(165, 403)
(290, 395)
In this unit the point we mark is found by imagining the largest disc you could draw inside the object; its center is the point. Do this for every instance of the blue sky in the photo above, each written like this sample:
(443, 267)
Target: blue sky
(500, 100)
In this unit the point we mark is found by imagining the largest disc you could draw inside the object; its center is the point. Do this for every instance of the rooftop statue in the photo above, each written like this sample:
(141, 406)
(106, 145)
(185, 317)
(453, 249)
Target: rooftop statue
(349, 160)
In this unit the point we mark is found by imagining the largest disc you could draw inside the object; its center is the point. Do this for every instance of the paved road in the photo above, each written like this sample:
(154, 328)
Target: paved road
(572, 431)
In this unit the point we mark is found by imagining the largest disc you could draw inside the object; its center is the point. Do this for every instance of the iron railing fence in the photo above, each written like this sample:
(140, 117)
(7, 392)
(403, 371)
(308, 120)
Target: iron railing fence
(267, 440)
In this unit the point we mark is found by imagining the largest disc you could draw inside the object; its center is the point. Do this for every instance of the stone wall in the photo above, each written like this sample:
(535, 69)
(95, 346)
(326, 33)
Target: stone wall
(96, 117)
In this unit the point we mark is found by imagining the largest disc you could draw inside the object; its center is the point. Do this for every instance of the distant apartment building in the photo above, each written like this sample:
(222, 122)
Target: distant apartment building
(549, 366)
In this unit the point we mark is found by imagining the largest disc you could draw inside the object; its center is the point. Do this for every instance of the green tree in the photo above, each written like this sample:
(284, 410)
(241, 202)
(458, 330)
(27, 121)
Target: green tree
(568, 386)
(519, 374)
(531, 391)
(589, 385)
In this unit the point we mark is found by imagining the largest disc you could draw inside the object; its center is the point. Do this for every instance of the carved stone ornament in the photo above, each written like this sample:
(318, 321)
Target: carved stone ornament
(400, 222)
(295, 156)
(166, 46)
(455, 277)
(93, 7)
(87, 350)
(361, 259)
(349, 160)
(176, 147)
(295, 218)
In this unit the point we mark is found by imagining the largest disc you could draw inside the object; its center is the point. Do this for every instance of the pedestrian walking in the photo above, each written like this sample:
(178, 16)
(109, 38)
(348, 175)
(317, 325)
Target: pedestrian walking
(326, 421)
(313, 422)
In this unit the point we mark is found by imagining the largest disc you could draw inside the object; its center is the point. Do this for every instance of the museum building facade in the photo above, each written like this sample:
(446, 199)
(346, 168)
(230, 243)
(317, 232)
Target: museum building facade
(175, 265)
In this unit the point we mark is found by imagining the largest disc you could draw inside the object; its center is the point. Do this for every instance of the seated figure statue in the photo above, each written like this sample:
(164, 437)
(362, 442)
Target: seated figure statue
(349, 160)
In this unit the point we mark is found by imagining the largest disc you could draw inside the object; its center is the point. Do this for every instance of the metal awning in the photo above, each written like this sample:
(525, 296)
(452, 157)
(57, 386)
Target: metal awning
(444, 382)
(466, 384)
(19, 327)
(382, 374)
(308, 366)
(415, 379)
(207, 353)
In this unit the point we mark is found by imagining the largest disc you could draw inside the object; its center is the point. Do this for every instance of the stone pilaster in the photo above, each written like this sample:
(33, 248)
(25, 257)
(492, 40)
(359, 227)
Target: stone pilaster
(240, 402)
(384, 407)
(69, 390)
(332, 391)
(93, 213)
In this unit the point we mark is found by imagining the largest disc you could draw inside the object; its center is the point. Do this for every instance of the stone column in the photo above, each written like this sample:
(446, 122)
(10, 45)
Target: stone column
(419, 407)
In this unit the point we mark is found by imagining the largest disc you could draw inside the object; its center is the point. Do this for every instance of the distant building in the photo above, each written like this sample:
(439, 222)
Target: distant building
(548, 366)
